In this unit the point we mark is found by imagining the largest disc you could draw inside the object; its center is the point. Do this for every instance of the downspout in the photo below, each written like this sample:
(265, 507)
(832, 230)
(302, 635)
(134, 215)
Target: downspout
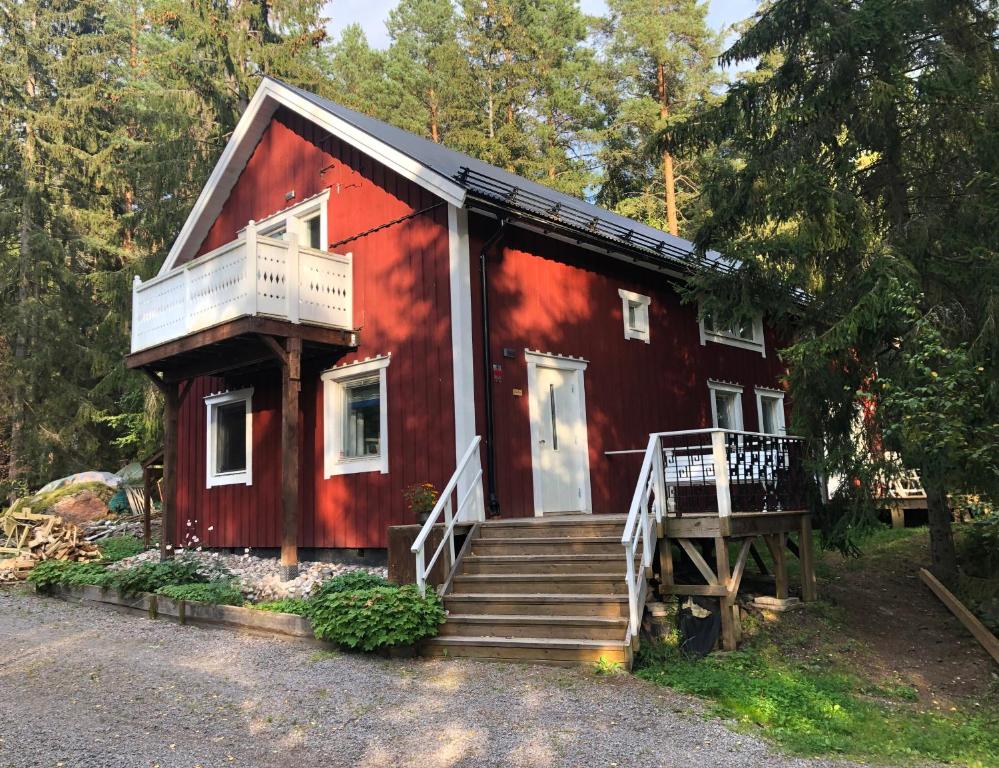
(487, 368)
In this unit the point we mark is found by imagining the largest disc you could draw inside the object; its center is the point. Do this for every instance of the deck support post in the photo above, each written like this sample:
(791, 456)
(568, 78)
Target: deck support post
(729, 627)
(173, 398)
(775, 542)
(147, 504)
(806, 556)
(291, 387)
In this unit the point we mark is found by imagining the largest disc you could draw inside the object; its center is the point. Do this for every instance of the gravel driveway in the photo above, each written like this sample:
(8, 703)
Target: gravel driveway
(82, 686)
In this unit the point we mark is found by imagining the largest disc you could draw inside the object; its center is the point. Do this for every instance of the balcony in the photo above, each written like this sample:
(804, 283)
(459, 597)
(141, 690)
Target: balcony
(253, 276)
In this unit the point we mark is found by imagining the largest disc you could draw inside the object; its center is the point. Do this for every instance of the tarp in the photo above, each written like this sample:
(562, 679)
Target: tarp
(91, 476)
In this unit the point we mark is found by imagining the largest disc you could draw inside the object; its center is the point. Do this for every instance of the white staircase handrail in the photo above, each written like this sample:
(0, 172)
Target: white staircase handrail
(639, 532)
(472, 491)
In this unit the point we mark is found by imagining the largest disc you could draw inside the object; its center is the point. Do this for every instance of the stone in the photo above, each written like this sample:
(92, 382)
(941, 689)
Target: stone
(776, 604)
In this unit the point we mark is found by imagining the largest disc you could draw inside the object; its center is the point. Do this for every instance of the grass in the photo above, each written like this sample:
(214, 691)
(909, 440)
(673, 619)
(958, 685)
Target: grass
(814, 707)
(808, 682)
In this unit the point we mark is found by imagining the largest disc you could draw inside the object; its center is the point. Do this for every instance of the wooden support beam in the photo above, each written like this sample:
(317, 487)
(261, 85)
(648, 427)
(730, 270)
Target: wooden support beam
(740, 566)
(704, 590)
(758, 559)
(980, 632)
(147, 504)
(806, 556)
(897, 515)
(275, 347)
(698, 560)
(775, 542)
(666, 579)
(291, 387)
(729, 630)
(172, 398)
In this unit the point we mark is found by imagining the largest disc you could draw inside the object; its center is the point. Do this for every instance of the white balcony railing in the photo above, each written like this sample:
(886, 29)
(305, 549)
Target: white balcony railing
(253, 275)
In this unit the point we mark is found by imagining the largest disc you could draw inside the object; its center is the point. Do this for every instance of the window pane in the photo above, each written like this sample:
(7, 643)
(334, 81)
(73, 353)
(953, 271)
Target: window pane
(725, 404)
(632, 315)
(230, 437)
(277, 233)
(362, 430)
(315, 241)
(769, 425)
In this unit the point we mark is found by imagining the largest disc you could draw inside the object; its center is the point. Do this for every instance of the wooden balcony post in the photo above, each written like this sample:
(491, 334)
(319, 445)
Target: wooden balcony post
(173, 398)
(719, 454)
(251, 267)
(293, 277)
(290, 481)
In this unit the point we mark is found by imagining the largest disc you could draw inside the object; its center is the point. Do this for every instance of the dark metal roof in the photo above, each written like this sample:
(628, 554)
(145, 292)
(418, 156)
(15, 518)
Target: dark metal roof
(510, 191)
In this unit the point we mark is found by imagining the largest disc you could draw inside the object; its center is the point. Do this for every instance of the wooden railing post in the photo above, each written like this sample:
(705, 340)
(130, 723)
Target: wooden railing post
(250, 266)
(136, 330)
(188, 314)
(293, 278)
(719, 453)
(660, 479)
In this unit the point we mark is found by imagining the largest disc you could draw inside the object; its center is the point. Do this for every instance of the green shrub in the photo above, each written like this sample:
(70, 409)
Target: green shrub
(48, 574)
(978, 547)
(51, 573)
(287, 605)
(118, 504)
(370, 619)
(351, 581)
(118, 548)
(217, 592)
(148, 577)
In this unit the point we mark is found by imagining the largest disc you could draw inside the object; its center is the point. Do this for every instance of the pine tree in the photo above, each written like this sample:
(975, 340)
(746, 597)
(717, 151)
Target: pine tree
(355, 74)
(867, 167)
(661, 53)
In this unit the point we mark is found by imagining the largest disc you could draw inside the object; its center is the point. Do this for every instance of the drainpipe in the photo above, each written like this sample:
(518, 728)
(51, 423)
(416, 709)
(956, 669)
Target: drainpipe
(487, 363)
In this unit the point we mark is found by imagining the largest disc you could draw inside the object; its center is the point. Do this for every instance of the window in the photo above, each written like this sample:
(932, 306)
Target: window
(747, 333)
(770, 411)
(635, 310)
(230, 438)
(307, 220)
(726, 405)
(355, 418)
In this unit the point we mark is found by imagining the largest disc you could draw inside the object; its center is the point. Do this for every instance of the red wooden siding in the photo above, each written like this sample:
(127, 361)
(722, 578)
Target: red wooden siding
(402, 308)
(554, 297)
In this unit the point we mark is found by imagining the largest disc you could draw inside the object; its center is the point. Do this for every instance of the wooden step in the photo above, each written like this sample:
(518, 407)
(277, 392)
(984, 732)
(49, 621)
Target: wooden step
(601, 563)
(539, 650)
(570, 527)
(549, 545)
(512, 625)
(537, 605)
(544, 583)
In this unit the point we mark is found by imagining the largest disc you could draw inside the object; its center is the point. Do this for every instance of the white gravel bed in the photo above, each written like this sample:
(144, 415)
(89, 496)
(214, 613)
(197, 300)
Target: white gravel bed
(89, 688)
(258, 578)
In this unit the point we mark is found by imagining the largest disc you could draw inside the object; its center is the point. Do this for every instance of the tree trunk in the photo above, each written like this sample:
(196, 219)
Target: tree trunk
(669, 181)
(942, 554)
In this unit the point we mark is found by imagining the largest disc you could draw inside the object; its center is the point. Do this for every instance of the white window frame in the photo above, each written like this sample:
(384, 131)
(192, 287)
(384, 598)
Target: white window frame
(293, 219)
(733, 389)
(335, 383)
(641, 304)
(212, 403)
(732, 340)
(765, 393)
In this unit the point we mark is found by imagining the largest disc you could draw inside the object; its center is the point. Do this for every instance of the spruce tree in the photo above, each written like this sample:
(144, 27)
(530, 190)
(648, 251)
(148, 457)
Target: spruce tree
(859, 214)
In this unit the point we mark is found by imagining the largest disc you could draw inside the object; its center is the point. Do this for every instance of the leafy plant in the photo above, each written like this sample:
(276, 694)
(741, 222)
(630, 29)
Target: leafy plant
(48, 574)
(287, 605)
(603, 666)
(217, 592)
(376, 618)
(149, 577)
(118, 548)
(351, 581)
(979, 547)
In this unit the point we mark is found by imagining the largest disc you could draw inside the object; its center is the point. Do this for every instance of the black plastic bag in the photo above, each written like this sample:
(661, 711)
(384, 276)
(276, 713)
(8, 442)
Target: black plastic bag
(699, 622)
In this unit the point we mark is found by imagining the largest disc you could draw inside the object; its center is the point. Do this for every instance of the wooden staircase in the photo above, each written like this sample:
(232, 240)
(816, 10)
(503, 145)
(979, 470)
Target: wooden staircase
(540, 590)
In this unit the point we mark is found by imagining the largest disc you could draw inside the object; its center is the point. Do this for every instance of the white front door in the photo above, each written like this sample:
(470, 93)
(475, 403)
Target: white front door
(558, 428)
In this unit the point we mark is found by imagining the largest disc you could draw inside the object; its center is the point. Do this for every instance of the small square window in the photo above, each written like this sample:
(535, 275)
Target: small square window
(355, 418)
(230, 438)
(726, 406)
(746, 333)
(635, 310)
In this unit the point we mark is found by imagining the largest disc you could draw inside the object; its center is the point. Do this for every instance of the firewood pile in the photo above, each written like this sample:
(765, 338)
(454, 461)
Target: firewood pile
(27, 538)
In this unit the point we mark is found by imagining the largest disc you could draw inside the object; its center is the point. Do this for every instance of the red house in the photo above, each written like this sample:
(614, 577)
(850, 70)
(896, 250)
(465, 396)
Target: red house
(348, 306)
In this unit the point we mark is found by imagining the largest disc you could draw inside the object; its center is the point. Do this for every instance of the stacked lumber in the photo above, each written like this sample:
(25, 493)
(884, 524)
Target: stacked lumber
(27, 538)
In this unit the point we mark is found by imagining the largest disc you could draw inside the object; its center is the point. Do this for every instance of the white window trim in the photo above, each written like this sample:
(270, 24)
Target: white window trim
(721, 386)
(576, 365)
(773, 394)
(212, 402)
(294, 217)
(630, 297)
(334, 463)
(718, 337)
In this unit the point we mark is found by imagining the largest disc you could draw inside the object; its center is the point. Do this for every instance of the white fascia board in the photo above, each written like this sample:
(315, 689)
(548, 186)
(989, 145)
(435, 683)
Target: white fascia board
(250, 128)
